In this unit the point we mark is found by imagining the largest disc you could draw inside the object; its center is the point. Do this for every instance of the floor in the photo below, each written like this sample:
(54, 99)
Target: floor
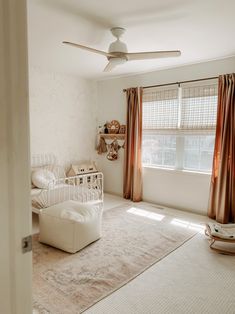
(192, 279)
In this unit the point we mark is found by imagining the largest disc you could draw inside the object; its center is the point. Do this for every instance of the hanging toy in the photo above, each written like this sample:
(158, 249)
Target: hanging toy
(101, 148)
(113, 151)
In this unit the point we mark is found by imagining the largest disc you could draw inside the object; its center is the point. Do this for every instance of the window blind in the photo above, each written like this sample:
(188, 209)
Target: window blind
(199, 107)
(160, 109)
(186, 108)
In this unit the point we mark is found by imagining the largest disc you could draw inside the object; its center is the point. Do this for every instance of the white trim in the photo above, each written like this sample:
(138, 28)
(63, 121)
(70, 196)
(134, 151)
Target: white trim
(15, 214)
(173, 170)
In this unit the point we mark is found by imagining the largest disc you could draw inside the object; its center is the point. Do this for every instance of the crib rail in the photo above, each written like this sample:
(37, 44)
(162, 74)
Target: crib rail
(39, 160)
(82, 188)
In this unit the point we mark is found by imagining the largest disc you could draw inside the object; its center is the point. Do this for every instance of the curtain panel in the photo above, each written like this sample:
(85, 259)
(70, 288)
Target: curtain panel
(222, 189)
(132, 180)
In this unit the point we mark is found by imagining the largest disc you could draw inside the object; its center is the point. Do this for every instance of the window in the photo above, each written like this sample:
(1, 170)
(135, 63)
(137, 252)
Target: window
(179, 126)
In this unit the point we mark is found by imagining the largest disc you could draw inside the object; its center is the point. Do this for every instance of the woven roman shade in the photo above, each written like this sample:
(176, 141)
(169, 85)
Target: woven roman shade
(161, 108)
(199, 107)
(189, 108)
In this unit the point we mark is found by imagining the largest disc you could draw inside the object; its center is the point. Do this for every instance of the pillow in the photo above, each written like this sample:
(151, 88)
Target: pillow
(42, 177)
(32, 170)
(57, 170)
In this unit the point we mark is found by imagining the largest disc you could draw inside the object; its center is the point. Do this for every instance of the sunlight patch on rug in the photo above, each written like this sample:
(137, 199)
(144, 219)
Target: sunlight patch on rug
(188, 225)
(145, 213)
(133, 239)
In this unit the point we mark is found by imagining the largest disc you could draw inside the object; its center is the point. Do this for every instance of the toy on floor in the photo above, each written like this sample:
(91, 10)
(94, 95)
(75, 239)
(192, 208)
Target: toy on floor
(221, 233)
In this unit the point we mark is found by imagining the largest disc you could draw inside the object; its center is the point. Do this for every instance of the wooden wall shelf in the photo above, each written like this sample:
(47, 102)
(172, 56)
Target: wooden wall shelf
(110, 136)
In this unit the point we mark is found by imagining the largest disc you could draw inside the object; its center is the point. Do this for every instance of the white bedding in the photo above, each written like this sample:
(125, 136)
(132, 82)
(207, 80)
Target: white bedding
(35, 192)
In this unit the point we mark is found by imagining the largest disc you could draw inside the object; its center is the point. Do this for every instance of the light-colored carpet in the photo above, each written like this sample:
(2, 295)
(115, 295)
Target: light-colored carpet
(133, 239)
(191, 280)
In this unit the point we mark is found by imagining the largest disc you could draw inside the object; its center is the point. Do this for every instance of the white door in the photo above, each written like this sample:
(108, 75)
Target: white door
(15, 214)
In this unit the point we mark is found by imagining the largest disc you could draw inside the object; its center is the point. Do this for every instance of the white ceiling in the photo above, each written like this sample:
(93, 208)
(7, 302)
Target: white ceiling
(202, 29)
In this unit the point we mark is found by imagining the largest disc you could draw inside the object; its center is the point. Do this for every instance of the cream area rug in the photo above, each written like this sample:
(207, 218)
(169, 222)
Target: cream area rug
(133, 239)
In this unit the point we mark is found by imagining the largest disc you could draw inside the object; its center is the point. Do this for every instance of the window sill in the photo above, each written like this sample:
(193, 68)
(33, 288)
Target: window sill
(180, 171)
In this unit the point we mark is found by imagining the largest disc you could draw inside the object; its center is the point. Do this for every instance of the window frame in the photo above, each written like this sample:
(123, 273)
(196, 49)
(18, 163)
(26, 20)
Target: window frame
(180, 141)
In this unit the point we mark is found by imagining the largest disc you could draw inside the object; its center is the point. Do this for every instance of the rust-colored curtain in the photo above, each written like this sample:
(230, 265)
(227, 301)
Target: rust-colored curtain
(222, 190)
(132, 183)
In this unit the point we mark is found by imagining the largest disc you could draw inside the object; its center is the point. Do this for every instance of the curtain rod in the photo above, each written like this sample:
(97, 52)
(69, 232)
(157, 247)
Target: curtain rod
(178, 83)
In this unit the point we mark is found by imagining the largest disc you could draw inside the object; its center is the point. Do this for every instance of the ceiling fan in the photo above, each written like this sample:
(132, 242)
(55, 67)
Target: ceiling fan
(118, 54)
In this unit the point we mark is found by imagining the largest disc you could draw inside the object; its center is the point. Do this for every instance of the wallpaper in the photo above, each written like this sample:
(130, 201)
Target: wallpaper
(63, 114)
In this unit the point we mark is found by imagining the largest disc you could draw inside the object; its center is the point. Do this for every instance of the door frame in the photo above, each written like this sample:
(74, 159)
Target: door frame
(15, 210)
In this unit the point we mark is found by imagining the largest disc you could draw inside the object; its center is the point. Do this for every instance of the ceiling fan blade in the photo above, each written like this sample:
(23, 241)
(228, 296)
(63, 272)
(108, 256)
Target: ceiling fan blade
(152, 55)
(109, 67)
(106, 54)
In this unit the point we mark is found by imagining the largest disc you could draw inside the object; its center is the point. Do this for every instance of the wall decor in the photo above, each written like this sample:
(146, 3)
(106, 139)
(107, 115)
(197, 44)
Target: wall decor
(113, 127)
(101, 147)
(106, 131)
(122, 129)
(113, 151)
(101, 129)
(111, 140)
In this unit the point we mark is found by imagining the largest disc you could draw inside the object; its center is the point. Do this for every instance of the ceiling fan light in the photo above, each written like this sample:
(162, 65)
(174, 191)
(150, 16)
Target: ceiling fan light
(118, 46)
(117, 61)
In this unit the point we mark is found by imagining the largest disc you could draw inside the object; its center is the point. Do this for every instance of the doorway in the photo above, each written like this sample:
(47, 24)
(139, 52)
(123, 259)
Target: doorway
(15, 213)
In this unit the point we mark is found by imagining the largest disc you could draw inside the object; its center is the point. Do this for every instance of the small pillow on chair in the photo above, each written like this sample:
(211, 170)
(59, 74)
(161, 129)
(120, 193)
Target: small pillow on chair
(42, 177)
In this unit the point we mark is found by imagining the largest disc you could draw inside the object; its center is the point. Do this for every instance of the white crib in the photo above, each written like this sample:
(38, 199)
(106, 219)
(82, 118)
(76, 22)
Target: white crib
(82, 188)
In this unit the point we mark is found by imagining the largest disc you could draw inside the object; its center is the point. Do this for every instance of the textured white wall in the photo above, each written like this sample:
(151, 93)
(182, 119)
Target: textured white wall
(177, 189)
(62, 115)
